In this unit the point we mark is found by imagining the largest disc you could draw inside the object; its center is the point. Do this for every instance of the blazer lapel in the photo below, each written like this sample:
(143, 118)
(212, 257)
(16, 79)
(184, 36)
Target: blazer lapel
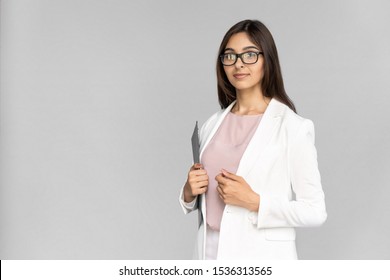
(264, 132)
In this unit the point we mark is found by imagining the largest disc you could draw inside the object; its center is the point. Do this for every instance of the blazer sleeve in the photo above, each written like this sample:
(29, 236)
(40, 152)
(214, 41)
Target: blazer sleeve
(308, 208)
(187, 206)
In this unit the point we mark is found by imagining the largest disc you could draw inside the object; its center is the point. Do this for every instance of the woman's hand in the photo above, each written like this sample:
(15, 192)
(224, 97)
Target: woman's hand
(235, 190)
(197, 182)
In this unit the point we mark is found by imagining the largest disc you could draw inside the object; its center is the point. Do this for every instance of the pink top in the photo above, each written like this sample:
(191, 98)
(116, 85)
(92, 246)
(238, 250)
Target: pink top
(225, 151)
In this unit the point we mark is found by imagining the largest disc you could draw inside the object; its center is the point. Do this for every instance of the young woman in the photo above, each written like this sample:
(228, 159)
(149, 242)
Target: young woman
(258, 178)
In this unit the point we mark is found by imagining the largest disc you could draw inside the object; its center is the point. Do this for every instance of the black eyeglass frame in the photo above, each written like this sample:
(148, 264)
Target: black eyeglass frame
(239, 55)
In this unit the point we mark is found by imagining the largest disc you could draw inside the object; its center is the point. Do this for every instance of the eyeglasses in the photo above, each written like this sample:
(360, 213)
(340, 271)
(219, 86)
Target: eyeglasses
(229, 59)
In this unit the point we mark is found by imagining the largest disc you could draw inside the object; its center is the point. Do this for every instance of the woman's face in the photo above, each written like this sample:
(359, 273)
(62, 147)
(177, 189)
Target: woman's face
(244, 76)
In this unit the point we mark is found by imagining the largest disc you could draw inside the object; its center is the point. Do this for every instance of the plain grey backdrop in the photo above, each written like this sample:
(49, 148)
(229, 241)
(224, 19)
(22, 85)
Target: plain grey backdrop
(98, 100)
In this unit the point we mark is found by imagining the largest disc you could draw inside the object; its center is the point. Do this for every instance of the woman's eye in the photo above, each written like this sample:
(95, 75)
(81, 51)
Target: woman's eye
(230, 56)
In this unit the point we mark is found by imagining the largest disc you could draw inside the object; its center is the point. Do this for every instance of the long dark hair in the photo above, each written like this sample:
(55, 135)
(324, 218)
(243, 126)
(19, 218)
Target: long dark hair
(272, 82)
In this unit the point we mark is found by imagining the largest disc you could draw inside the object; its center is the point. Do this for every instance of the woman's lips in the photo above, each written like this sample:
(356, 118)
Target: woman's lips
(240, 76)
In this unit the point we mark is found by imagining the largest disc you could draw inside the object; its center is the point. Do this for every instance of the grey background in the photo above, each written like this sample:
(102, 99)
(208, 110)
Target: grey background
(98, 101)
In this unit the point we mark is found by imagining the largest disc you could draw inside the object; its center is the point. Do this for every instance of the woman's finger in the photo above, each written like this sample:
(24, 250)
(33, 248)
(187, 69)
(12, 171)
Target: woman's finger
(200, 190)
(230, 175)
(199, 185)
(220, 189)
(201, 178)
(197, 166)
(198, 172)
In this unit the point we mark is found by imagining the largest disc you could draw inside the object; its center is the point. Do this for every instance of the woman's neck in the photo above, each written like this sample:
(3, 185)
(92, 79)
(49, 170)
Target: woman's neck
(250, 103)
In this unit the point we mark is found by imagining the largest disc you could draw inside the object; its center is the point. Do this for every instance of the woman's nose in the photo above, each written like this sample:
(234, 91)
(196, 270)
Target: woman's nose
(239, 63)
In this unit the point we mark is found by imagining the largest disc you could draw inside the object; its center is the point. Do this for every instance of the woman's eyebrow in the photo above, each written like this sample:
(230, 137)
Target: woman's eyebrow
(229, 49)
(250, 47)
(246, 48)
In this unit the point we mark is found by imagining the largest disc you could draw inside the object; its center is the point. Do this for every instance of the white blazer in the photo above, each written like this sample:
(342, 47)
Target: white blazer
(280, 164)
